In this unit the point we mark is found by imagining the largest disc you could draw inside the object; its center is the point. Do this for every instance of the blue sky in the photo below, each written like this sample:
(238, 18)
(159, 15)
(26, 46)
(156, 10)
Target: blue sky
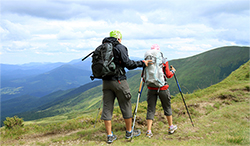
(64, 30)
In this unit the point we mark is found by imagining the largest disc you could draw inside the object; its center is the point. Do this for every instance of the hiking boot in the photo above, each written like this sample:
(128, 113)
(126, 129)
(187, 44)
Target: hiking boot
(149, 135)
(171, 129)
(111, 138)
(135, 133)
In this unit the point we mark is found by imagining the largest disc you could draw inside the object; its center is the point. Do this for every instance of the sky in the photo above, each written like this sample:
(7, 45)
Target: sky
(64, 30)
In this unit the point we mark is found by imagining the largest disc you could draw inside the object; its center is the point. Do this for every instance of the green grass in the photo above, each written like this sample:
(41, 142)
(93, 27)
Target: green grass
(220, 114)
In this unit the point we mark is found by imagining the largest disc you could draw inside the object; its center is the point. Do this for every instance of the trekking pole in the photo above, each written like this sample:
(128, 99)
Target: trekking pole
(88, 55)
(182, 97)
(137, 103)
(98, 113)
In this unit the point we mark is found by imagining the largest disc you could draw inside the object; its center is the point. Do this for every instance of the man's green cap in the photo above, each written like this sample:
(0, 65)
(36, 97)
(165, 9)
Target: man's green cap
(116, 34)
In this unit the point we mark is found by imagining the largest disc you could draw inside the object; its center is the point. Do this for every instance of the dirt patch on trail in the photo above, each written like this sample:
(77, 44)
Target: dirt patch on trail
(228, 97)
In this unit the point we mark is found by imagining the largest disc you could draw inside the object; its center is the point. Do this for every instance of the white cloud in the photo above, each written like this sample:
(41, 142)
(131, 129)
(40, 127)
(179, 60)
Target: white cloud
(40, 37)
(14, 31)
(74, 28)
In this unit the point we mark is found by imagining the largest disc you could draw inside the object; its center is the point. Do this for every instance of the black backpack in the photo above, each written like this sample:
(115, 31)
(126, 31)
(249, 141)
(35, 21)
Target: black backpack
(103, 61)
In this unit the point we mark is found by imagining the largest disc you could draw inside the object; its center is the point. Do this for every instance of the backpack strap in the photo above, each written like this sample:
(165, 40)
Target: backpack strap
(164, 68)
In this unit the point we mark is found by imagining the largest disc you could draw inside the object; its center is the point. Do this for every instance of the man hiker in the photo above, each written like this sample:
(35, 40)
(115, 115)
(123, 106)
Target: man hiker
(116, 86)
(164, 95)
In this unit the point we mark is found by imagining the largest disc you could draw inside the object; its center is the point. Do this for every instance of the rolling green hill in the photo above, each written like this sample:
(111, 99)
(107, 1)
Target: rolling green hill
(193, 73)
(220, 114)
(203, 70)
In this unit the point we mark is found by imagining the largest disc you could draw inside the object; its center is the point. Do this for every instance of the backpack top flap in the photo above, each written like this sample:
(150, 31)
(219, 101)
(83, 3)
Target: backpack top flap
(153, 73)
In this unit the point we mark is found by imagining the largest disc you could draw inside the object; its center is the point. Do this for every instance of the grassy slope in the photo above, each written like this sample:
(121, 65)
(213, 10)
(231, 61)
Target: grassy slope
(220, 113)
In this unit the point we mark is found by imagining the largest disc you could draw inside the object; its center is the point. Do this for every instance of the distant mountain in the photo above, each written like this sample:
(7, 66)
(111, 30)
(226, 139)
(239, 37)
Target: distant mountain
(78, 63)
(9, 71)
(196, 72)
(61, 78)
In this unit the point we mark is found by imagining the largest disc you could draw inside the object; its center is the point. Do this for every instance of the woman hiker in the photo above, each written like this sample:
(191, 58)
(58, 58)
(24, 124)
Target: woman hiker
(164, 95)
